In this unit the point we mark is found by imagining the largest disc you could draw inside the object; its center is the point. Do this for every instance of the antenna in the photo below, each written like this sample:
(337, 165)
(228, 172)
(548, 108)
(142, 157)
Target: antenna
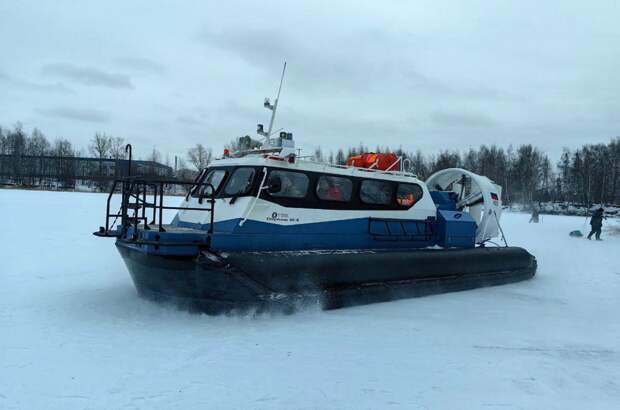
(273, 107)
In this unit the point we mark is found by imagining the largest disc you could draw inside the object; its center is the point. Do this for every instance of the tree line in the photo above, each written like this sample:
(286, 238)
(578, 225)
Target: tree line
(586, 175)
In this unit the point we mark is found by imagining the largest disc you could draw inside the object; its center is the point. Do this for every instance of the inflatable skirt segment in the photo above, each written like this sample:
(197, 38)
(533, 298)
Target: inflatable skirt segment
(225, 282)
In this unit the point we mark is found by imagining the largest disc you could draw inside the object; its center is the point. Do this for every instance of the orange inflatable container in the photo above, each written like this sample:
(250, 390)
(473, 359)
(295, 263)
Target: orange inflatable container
(369, 159)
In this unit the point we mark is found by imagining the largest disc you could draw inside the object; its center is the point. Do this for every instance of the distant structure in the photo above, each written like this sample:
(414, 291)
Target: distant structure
(66, 172)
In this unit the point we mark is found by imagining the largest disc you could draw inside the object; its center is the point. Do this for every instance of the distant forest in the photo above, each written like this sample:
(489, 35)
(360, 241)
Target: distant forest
(586, 175)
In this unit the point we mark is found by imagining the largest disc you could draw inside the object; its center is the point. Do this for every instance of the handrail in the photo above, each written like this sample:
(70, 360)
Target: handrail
(353, 168)
(250, 207)
(129, 148)
(395, 162)
(107, 220)
(135, 192)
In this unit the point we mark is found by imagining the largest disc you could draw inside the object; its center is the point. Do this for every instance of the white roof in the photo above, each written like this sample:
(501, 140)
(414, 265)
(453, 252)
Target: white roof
(274, 161)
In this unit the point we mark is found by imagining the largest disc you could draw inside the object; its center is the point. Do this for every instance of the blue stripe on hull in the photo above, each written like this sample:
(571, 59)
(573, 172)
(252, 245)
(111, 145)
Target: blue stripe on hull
(348, 234)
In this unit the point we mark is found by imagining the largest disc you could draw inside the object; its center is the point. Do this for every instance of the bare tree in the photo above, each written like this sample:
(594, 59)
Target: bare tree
(318, 154)
(37, 143)
(16, 140)
(37, 146)
(63, 148)
(63, 151)
(199, 156)
(117, 148)
(100, 145)
(3, 143)
(446, 159)
(99, 148)
(154, 156)
(419, 164)
(340, 158)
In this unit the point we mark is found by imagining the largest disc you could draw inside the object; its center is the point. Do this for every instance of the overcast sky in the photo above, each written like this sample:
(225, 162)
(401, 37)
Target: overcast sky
(421, 74)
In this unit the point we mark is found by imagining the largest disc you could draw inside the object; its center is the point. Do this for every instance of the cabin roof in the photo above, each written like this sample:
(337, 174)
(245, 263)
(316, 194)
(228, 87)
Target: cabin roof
(312, 166)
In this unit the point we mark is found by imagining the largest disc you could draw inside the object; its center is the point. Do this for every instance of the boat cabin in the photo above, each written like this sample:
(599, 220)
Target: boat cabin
(263, 201)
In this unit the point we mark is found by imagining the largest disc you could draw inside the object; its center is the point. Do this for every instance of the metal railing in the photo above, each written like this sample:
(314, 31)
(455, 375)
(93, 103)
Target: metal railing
(142, 196)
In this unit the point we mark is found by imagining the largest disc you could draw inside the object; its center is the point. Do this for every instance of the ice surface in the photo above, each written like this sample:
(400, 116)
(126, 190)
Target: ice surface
(74, 335)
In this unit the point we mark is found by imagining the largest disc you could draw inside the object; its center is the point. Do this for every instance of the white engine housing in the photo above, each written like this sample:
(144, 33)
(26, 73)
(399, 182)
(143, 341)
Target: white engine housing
(477, 195)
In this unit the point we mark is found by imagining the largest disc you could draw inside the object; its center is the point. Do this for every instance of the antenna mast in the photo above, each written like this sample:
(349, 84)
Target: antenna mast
(273, 107)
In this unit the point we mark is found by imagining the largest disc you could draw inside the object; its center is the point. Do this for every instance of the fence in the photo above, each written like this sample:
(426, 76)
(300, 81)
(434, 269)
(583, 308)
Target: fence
(65, 172)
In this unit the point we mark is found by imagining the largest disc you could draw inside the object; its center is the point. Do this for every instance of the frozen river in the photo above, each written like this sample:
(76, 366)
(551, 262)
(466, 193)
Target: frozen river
(74, 335)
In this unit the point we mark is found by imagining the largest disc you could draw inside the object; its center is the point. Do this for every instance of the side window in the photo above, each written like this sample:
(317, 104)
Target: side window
(408, 194)
(376, 192)
(287, 184)
(240, 182)
(330, 188)
(215, 178)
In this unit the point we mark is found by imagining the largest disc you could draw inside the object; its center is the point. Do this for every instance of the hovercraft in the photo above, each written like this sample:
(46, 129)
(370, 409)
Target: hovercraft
(265, 228)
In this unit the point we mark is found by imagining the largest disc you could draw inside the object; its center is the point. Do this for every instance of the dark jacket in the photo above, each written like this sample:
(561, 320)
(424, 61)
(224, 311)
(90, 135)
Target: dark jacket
(597, 218)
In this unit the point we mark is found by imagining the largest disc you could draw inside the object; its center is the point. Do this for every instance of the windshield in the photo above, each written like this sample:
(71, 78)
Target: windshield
(213, 177)
(240, 182)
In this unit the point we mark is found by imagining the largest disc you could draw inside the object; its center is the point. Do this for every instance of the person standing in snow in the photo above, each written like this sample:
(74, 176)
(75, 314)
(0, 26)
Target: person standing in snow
(596, 221)
(535, 214)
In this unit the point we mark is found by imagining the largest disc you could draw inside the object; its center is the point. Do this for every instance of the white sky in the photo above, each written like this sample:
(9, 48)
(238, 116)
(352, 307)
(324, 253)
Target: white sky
(421, 74)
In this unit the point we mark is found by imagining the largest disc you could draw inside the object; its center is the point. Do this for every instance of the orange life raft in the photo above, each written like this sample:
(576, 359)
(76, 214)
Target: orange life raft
(375, 161)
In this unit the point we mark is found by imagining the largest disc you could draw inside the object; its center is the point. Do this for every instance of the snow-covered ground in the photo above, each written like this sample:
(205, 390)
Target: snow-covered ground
(74, 335)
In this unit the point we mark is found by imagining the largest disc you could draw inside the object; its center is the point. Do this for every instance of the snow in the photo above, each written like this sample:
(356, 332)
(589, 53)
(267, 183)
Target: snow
(74, 335)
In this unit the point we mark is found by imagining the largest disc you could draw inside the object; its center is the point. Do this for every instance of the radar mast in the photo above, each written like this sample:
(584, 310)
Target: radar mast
(273, 107)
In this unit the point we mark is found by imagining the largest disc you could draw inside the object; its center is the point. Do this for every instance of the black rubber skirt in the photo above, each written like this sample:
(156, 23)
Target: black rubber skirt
(219, 283)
